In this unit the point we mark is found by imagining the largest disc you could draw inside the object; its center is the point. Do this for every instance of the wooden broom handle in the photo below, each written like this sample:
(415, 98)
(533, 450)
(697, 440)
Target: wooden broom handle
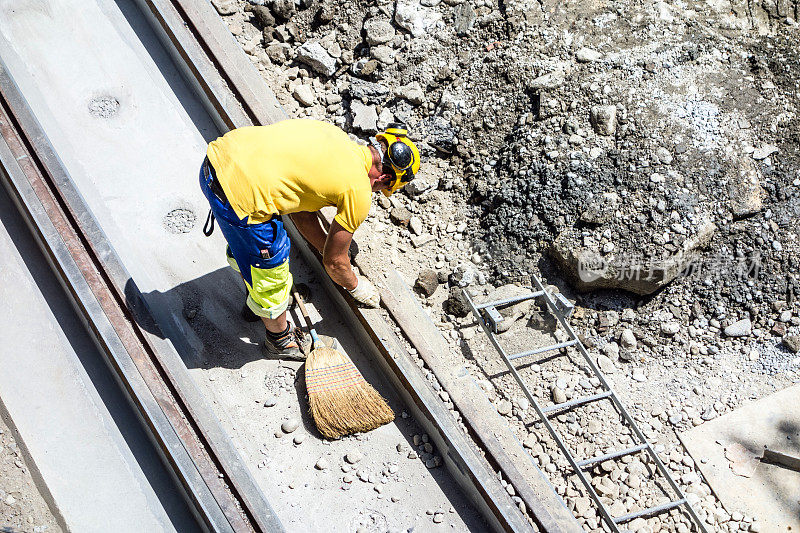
(304, 312)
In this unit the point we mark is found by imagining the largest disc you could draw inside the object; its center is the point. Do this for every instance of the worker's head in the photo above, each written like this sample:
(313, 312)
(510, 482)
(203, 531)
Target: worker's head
(399, 159)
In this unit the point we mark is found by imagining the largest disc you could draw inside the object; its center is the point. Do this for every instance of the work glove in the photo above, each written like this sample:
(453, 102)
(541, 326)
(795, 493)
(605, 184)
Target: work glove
(366, 293)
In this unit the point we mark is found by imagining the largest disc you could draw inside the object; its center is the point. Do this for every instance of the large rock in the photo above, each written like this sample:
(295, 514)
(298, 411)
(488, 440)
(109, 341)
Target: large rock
(740, 328)
(264, 16)
(464, 16)
(315, 56)
(463, 275)
(283, 9)
(373, 93)
(456, 304)
(427, 282)
(600, 208)
(365, 117)
(411, 15)
(792, 342)
(438, 132)
(587, 270)
(400, 216)
(224, 7)
(604, 119)
(587, 55)
(304, 94)
(378, 30)
(744, 188)
(551, 80)
(278, 53)
(418, 186)
(412, 92)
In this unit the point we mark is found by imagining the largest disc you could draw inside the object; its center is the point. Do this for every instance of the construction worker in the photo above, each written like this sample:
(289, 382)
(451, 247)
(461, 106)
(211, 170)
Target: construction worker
(252, 176)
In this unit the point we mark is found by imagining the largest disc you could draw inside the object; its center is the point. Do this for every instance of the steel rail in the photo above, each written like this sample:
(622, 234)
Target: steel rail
(81, 256)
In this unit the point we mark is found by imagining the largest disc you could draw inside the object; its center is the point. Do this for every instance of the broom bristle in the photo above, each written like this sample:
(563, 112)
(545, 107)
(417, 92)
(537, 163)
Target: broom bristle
(340, 399)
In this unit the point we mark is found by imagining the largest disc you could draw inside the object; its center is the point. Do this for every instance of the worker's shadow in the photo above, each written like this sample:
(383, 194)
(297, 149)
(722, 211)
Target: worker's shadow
(202, 319)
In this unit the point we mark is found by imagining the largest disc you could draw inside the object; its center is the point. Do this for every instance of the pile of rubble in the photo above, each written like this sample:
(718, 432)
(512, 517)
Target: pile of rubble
(642, 144)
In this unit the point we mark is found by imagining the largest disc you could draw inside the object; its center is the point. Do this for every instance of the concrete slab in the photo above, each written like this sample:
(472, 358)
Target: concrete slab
(86, 443)
(772, 493)
(132, 136)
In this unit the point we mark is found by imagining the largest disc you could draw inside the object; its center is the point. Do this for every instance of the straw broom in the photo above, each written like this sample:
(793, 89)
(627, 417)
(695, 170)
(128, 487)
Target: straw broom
(340, 399)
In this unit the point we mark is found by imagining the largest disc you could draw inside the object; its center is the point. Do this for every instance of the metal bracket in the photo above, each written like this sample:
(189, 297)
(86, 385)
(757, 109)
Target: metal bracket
(564, 306)
(493, 316)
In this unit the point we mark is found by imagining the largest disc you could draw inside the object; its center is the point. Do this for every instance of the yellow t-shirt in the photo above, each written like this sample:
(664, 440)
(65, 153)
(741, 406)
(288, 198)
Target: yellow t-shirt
(290, 166)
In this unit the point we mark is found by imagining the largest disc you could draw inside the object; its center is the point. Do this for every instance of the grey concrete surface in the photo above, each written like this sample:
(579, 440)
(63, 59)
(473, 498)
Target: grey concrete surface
(88, 448)
(770, 492)
(132, 137)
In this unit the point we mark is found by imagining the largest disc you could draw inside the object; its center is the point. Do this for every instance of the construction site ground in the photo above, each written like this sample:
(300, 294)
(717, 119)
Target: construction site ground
(21, 505)
(632, 133)
(567, 139)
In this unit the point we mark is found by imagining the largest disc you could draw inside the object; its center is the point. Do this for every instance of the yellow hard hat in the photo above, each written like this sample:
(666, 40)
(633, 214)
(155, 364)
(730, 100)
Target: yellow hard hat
(402, 154)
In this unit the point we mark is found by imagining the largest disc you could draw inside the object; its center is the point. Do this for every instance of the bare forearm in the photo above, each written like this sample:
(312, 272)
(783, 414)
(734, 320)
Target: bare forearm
(309, 226)
(342, 274)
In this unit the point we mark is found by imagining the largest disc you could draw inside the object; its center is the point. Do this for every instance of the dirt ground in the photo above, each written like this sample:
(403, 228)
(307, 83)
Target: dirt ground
(642, 157)
(22, 507)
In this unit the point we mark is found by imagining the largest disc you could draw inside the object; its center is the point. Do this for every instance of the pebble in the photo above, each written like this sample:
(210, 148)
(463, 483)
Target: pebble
(353, 456)
(638, 375)
(438, 518)
(627, 339)
(304, 94)
(740, 328)
(587, 55)
(670, 328)
(557, 394)
(299, 438)
(504, 407)
(322, 464)
(415, 225)
(271, 401)
(290, 425)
